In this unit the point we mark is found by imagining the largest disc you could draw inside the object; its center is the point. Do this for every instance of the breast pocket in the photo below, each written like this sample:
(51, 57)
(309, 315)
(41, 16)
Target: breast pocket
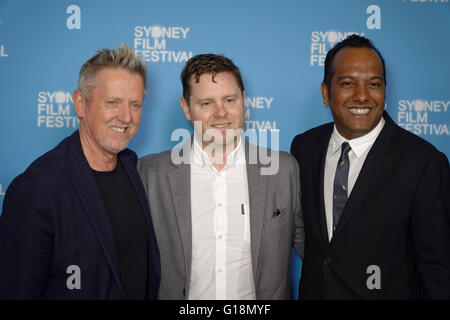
(278, 219)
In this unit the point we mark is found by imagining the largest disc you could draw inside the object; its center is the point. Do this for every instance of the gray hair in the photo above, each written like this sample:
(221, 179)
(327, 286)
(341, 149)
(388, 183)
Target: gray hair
(122, 58)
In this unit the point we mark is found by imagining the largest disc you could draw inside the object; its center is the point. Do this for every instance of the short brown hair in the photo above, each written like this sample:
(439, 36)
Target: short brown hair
(208, 63)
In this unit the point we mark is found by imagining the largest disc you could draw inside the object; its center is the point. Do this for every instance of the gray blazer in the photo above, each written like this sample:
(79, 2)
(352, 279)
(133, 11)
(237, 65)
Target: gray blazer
(272, 236)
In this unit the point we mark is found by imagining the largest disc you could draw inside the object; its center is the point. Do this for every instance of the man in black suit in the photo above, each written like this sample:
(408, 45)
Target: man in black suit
(375, 196)
(76, 223)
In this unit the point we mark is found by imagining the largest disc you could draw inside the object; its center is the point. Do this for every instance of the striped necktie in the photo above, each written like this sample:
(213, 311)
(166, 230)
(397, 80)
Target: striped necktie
(340, 189)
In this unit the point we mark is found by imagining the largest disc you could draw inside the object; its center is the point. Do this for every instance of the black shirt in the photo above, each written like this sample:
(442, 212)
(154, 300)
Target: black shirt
(129, 228)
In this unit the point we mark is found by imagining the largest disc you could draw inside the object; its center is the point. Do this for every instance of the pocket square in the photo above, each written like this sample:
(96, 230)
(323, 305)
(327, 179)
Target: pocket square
(277, 212)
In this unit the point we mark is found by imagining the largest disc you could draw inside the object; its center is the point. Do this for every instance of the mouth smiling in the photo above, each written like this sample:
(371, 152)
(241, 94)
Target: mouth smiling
(359, 110)
(221, 125)
(119, 129)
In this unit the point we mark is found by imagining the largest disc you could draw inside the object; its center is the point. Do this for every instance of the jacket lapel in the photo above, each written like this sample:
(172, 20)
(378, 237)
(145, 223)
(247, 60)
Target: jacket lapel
(132, 173)
(257, 189)
(320, 157)
(154, 262)
(86, 188)
(373, 165)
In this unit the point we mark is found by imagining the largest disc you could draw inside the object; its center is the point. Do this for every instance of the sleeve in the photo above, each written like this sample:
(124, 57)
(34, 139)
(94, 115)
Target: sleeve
(430, 228)
(26, 241)
(299, 238)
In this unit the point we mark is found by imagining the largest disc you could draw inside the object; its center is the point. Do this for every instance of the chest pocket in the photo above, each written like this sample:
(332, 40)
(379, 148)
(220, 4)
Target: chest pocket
(278, 219)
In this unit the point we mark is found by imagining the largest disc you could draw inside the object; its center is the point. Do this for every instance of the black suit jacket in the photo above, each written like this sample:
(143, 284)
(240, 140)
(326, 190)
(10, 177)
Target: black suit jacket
(396, 218)
(53, 217)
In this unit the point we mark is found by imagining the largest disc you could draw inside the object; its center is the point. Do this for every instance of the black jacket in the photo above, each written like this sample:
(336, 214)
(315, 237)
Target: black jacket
(396, 218)
(53, 217)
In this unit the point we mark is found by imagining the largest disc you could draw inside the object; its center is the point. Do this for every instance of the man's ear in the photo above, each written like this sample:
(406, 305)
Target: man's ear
(79, 102)
(325, 94)
(185, 106)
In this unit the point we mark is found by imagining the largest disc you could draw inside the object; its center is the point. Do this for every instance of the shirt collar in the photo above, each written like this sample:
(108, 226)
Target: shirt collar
(358, 145)
(201, 158)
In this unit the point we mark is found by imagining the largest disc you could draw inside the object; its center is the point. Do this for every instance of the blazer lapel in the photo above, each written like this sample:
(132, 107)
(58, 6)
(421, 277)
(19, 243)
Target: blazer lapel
(154, 262)
(132, 173)
(180, 187)
(257, 189)
(90, 198)
(320, 157)
(373, 165)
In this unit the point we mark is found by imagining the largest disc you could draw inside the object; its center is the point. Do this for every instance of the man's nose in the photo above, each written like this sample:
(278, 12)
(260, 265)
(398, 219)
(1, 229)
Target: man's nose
(360, 94)
(125, 113)
(220, 110)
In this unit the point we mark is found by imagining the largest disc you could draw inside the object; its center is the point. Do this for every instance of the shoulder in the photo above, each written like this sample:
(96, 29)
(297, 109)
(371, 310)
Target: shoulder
(166, 160)
(312, 137)
(260, 152)
(51, 164)
(288, 164)
(304, 143)
(273, 161)
(286, 159)
(405, 144)
(410, 150)
(46, 170)
(406, 141)
(154, 162)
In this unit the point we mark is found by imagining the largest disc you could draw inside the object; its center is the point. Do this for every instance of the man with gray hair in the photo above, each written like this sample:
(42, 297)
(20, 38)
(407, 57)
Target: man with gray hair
(76, 223)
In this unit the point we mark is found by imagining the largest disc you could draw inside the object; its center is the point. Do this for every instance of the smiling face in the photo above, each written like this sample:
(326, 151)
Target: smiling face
(357, 91)
(110, 118)
(218, 103)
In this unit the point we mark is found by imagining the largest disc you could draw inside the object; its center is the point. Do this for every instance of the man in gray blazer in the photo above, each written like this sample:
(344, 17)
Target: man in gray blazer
(226, 212)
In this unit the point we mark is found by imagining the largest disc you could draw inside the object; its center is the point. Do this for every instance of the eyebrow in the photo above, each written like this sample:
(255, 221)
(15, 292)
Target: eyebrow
(204, 99)
(231, 95)
(119, 98)
(351, 77)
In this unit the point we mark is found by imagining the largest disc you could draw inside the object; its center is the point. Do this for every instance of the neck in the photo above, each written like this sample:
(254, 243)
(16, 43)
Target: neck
(218, 161)
(98, 159)
(218, 153)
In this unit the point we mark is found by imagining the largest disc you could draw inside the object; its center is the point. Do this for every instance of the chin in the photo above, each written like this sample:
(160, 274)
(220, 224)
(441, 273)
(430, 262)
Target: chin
(115, 148)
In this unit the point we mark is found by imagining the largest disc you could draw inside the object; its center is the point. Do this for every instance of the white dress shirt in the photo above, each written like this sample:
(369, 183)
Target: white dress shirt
(221, 254)
(357, 155)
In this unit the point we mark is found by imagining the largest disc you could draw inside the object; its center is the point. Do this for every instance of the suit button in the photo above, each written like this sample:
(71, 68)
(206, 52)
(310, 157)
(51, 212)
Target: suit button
(327, 261)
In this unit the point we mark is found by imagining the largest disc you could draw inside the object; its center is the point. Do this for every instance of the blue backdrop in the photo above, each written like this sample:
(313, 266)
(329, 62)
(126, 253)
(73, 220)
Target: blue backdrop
(280, 47)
